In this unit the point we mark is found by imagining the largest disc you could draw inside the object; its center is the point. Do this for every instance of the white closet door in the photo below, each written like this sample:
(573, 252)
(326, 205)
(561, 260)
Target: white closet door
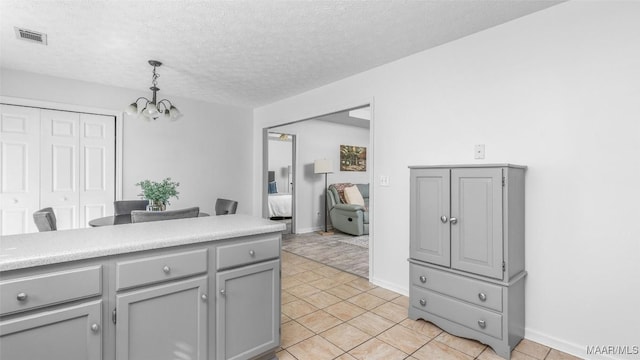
(59, 166)
(97, 166)
(19, 171)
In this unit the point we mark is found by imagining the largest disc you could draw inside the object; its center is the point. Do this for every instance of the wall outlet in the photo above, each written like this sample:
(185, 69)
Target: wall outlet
(384, 180)
(478, 151)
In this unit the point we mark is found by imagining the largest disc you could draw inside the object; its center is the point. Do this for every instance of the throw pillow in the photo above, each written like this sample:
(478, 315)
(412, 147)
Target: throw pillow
(340, 189)
(353, 196)
(273, 187)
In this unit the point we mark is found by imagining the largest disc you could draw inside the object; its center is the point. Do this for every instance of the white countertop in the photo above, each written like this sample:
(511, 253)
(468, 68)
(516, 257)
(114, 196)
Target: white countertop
(29, 250)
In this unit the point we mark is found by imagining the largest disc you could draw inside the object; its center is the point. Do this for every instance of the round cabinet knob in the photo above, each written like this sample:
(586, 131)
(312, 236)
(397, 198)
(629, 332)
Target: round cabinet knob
(222, 292)
(21, 296)
(482, 324)
(423, 279)
(204, 297)
(15, 201)
(252, 253)
(423, 302)
(453, 221)
(95, 328)
(482, 296)
(444, 219)
(166, 269)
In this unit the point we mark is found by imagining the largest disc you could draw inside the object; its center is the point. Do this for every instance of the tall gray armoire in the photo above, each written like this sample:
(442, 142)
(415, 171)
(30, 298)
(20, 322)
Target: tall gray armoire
(467, 251)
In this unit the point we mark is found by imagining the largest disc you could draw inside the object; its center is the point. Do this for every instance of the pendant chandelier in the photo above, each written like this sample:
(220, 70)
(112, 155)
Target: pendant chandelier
(152, 109)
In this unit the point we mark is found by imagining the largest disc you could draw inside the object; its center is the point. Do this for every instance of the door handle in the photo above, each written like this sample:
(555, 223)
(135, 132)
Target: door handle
(453, 221)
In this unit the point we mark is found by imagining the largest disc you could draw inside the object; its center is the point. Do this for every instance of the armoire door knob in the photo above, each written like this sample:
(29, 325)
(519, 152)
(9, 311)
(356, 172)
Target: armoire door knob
(453, 221)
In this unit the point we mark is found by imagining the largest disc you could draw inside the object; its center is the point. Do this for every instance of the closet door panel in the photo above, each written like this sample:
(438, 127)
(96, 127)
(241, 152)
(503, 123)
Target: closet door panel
(19, 168)
(59, 165)
(97, 166)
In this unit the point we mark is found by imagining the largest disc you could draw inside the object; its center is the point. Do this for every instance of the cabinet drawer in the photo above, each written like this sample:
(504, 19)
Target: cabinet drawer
(467, 315)
(247, 252)
(52, 288)
(467, 289)
(155, 269)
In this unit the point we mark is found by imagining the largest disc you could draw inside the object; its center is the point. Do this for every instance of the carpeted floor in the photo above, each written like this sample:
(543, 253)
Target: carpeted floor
(342, 251)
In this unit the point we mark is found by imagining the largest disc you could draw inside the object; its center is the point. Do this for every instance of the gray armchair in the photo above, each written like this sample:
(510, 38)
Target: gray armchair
(145, 216)
(349, 218)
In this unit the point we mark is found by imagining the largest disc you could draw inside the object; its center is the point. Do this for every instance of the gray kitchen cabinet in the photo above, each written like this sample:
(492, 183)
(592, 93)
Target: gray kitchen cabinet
(134, 299)
(52, 316)
(247, 309)
(163, 321)
(467, 251)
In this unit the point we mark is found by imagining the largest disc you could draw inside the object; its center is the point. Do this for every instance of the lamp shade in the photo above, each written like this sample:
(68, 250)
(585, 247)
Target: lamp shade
(322, 166)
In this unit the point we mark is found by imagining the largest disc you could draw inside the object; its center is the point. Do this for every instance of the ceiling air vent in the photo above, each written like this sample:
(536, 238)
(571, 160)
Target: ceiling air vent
(33, 36)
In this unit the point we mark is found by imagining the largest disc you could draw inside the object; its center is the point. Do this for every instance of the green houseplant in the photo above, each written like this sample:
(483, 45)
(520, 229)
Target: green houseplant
(158, 193)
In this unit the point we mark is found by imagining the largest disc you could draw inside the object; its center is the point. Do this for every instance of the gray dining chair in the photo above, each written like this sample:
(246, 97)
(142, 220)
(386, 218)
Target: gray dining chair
(45, 219)
(124, 207)
(226, 207)
(138, 216)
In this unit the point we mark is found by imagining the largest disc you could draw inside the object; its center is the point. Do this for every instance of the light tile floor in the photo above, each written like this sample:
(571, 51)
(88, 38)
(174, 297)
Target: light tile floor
(331, 314)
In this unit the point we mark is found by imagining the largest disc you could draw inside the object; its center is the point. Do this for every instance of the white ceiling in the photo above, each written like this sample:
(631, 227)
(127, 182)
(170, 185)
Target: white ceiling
(245, 53)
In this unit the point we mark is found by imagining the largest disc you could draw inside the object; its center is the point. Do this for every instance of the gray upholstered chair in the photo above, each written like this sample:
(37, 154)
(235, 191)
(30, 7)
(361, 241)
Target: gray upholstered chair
(138, 216)
(226, 207)
(45, 219)
(124, 207)
(349, 218)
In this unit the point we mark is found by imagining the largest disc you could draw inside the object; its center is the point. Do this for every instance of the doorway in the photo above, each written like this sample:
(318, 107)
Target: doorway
(323, 137)
(280, 177)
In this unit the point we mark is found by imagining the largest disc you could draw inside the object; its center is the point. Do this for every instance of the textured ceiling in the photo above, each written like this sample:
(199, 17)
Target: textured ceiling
(245, 53)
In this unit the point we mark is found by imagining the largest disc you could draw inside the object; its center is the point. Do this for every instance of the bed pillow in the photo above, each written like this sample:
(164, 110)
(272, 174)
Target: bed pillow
(353, 196)
(273, 187)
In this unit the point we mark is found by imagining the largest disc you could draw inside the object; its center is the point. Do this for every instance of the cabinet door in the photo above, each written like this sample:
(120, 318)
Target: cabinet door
(168, 321)
(476, 237)
(430, 209)
(70, 333)
(248, 311)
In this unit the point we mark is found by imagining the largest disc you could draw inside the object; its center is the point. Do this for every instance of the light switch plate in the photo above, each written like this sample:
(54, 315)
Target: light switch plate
(478, 151)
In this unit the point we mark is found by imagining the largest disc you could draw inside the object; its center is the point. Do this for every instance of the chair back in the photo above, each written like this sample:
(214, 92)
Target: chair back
(45, 219)
(138, 216)
(124, 207)
(226, 207)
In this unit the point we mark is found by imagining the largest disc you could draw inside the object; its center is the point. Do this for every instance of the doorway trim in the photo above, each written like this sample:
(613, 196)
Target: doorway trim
(118, 115)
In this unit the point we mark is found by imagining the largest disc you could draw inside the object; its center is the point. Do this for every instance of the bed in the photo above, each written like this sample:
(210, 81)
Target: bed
(279, 205)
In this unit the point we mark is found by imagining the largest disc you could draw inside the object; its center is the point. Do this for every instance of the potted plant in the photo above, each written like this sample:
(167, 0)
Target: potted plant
(158, 193)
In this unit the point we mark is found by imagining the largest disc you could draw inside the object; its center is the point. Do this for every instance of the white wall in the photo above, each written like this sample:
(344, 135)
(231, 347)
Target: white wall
(208, 150)
(321, 140)
(558, 91)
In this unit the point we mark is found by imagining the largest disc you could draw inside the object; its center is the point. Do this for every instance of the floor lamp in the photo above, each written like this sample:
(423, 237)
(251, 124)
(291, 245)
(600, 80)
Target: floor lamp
(324, 166)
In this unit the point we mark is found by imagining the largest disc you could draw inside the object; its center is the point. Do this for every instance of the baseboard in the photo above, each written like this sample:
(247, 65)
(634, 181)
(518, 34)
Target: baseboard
(571, 348)
(389, 286)
(308, 230)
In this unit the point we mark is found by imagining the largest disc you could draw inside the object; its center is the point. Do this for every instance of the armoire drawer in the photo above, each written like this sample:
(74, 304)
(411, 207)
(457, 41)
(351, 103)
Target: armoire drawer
(471, 290)
(48, 289)
(155, 269)
(249, 252)
(467, 315)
